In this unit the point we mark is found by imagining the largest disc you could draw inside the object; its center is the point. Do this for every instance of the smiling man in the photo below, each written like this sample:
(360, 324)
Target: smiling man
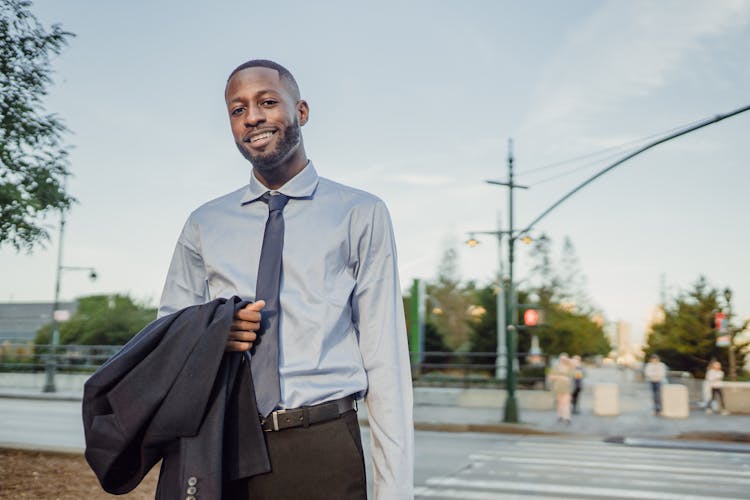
(327, 326)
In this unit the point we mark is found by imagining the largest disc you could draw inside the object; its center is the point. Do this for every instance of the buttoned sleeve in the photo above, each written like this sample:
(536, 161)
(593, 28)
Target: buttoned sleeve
(379, 318)
(186, 279)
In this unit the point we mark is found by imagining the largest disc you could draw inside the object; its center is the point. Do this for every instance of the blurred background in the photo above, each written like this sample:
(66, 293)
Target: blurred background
(415, 102)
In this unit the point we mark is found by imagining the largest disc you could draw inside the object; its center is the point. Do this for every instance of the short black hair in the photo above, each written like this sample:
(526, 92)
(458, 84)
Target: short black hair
(284, 74)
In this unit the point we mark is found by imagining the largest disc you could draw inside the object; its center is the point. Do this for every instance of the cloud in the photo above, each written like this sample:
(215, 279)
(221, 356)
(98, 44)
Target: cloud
(422, 179)
(625, 51)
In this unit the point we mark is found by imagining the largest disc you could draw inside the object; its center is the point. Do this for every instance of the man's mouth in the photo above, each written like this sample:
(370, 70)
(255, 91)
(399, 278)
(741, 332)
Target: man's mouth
(259, 138)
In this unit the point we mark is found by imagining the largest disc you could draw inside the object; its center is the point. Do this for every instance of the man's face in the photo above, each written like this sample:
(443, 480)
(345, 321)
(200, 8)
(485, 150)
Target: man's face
(265, 117)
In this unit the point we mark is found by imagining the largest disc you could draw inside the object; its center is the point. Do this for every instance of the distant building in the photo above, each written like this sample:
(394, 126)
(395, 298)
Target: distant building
(21, 321)
(618, 334)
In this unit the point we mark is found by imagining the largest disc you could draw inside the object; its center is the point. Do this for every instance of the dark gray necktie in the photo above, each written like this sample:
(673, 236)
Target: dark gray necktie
(265, 360)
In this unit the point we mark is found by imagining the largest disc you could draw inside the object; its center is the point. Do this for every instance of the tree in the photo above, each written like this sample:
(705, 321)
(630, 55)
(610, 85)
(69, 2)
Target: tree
(544, 278)
(33, 157)
(686, 339)
(569, 324)
(102, 320)
(449, 303)
(572, 279)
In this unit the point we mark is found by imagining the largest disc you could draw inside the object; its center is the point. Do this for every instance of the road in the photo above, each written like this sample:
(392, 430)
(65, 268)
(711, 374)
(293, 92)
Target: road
(475, 466)
(506, 467)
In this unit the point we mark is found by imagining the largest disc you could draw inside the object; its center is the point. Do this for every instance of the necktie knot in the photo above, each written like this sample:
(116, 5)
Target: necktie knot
(275, 201)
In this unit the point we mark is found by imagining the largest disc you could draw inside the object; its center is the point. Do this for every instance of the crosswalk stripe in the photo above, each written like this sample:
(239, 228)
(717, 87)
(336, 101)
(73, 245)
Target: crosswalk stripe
(712, 472)
(424, 491)
(560, 489)
(644, 478)
(615, 453)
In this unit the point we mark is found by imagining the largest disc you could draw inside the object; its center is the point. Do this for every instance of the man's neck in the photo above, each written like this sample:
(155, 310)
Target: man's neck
(277, 177)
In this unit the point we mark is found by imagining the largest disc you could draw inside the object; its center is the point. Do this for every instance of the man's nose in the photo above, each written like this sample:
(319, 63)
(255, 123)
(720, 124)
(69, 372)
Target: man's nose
(254, 116)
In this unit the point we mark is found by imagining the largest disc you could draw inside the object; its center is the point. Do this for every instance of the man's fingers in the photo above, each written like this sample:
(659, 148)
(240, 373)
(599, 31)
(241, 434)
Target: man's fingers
(250, 312)
(240, 341)
(242, 336)
(233, 345)
(255, 306)
(245, 326)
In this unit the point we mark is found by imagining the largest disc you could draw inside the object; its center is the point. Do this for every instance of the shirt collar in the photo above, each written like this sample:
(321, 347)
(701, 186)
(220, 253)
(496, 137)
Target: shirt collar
(301, 185)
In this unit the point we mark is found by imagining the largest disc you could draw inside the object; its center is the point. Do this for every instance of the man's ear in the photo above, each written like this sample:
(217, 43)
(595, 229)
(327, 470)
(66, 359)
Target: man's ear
(303, 111)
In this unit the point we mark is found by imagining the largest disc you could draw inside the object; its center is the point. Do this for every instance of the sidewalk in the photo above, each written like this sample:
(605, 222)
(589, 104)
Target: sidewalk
(635, 421)
(440, 414)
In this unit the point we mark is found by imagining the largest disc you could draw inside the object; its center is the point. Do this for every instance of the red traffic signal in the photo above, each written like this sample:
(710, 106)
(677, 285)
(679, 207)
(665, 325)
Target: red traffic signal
(531, 317)
(721, 322)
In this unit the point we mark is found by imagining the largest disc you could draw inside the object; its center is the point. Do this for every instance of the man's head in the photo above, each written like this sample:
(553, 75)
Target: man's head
(266, 113)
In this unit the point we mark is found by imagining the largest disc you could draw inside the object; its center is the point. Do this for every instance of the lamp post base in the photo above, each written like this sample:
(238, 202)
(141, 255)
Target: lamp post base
(49, 384)
(511, 410)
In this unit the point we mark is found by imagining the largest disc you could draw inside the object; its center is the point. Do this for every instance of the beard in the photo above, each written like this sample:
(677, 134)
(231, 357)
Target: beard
(265, 162)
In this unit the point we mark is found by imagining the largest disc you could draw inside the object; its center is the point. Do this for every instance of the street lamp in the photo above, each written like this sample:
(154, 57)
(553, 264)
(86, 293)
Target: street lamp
(51, 363)
(501, 355)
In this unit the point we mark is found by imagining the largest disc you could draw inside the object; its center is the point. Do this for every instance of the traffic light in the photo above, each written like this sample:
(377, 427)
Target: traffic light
(532, 317)
(720, 322)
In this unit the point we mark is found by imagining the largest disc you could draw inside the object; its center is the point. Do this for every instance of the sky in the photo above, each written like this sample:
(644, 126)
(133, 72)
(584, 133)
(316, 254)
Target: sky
(415, 102)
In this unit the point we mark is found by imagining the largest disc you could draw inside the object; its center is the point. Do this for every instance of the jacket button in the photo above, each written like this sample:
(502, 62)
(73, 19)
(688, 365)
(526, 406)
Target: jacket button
(192, 481)
(190, 497)
(192, 490)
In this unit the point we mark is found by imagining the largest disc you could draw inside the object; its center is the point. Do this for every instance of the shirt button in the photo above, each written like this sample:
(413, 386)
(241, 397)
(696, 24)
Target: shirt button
(192, 481)
(190, 497)
(192, 490)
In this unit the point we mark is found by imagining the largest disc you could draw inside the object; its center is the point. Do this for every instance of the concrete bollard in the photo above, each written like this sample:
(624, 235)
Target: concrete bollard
(606, 400)
(674, 401)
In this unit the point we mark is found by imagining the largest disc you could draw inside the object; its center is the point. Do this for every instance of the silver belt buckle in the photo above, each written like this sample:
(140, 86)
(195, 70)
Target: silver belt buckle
(276, 419)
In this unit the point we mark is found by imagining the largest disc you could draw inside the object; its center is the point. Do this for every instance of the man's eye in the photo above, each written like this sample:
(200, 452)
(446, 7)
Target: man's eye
(269, 102)
(237, 111)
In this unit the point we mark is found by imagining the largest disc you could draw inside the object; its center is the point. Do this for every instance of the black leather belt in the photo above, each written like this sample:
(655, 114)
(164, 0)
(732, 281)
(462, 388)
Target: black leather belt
(307, 415)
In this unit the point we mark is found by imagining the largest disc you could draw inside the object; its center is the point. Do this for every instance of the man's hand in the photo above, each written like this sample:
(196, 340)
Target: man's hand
(242, 333)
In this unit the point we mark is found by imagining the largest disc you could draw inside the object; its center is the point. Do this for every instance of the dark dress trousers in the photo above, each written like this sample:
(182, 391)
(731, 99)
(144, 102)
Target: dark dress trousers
(173, 394)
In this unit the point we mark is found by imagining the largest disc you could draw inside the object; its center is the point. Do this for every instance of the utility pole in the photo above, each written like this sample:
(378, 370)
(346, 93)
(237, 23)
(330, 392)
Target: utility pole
(510, 414)
(51, 365)
(51, 362)
(501, 360)
(730, 350)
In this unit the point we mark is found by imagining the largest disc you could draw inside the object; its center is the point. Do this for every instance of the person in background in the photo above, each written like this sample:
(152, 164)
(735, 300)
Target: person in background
(577, 382)
(714, 381)
(561, 378)
(656, 374)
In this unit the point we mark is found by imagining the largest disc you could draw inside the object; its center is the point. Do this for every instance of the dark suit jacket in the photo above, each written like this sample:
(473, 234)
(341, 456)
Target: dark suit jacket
(172, 393)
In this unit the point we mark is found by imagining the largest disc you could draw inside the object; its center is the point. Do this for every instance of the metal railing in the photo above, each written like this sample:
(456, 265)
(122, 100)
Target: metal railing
(475, 368)
(18, 356)
(428, 368)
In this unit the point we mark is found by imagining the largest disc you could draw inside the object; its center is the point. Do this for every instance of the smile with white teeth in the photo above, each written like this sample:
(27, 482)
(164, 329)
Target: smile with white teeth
(261, 136)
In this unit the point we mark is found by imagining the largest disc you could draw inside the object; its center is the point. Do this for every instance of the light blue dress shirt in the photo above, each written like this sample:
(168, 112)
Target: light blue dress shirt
(342, 328)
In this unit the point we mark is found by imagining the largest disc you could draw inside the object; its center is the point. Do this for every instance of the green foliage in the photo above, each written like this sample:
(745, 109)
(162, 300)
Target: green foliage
(483, 335)
(101, 320)
(566, 330)
(33, 158)
(686, 339)
(448, 304)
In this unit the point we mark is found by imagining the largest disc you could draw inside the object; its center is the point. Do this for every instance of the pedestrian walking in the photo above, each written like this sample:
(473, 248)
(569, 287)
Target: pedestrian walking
(578, 376)
(655, 373)
(714, 381)
(561, 379)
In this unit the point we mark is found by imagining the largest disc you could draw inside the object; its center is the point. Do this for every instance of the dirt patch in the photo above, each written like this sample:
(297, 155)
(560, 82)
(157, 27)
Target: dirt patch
(735, 437)
(58, 476)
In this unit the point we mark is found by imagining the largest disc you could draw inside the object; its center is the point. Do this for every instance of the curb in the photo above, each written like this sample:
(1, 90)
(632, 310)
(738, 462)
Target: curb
(681, 444)
(43, 396)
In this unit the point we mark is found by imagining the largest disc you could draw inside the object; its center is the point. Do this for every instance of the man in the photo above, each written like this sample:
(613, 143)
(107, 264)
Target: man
(656, 373)
(340, 330)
